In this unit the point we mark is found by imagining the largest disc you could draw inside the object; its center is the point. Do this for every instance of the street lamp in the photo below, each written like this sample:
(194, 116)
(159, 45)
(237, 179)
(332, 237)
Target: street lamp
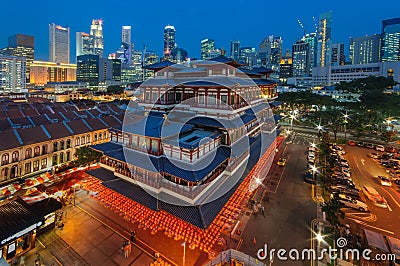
(345, 116)
(184, 252)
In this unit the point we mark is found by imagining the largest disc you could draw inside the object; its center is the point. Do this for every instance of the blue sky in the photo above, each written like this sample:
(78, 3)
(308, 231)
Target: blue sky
(244, 20)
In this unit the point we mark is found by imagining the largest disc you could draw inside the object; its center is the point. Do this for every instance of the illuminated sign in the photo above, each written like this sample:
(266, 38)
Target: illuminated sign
(21, 233)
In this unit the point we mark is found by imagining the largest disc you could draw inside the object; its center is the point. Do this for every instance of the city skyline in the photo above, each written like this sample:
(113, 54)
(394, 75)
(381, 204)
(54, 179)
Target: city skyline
(148, 30)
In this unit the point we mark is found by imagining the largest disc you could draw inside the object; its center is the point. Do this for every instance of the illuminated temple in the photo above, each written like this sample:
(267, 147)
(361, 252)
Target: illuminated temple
(189, 142)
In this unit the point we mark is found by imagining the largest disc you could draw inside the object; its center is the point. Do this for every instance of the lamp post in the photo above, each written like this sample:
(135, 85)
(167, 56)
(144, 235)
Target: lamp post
(345, 116)
(184, 253)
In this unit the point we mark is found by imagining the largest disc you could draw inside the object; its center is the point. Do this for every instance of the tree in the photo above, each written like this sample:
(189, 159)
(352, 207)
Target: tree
(115, 89)
(333, 212)
(85, 155)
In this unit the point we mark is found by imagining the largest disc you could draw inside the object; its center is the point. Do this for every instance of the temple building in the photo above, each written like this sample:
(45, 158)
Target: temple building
(191, 139)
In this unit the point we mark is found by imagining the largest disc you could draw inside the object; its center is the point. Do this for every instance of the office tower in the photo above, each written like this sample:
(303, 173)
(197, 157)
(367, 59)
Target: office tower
(324, 39)
(248, 56)
(21, 45)
(127, 39)
(390, 49)
(59, 44)
(286, 65)
(169, 41)
(337, 54)
(207, 45)
(311, 39)
(365, 49)
(235, 47)
(301, 59)
(96, 32)
(43, 72)
(87, 69)
(12, 73)
(270, 51)
(179, 55)
(84, 43)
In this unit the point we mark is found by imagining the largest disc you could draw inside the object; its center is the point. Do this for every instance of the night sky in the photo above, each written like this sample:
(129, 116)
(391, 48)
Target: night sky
(247, 21)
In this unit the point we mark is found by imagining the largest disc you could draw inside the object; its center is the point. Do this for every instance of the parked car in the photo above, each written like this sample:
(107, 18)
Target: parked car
(374, 155)
(390, 149)
(380, 148)
(346, 190)
(369, 146)
(352, 143)
(309, 178)
(361, 144)
(346, 182)
(281, 162)
(351, 202)
(384, 181)
(374, 196)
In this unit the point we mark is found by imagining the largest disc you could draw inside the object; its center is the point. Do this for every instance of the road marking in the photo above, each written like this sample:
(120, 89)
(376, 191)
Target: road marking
(377, 228)
(363, 161)
(390, 195)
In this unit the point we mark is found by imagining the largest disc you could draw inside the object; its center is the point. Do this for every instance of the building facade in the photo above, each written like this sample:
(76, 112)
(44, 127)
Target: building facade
(96, 33)
(248, 56)
(301, 59)
(286, 66)
(59, 44)
(235, 50)
(43, 72)
(206, 46)
(365, 49)
(12, 73)
(84, 43)
(324, 39)
(127, 39)
(390, 48)
(337, 54)
(270, 52)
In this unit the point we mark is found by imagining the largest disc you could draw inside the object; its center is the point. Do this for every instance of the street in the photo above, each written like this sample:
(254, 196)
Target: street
(289, 209)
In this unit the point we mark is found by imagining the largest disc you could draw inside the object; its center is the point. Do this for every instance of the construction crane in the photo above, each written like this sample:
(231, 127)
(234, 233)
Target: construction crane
(302, 26)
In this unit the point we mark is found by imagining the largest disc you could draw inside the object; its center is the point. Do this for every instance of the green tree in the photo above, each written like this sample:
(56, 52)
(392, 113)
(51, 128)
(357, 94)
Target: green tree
(333, 212)
(85, 155)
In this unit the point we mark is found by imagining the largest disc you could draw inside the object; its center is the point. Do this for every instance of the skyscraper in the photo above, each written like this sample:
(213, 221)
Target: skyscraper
(169, 41)
(286, 66)
(127, 39)
(301, 59)
(337, 54)
(324, 39)
(311, 39)
(390, 49)
(365, 49)
(12, 73)
(248, 56)
(84, 43)
(270, 51)
(96, 32)
(59, 44)
(207, 45)
(21, 45)
(235, 48)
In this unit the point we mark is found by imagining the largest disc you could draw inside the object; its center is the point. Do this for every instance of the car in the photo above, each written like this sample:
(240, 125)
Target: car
(390, 149)
(281, 162)
(374, 155)
(351, 143)
(369, 146)
(309, 178)
(384, 181)
(361, 144)
(380, 148)
(345, 190)
(346, 182)
(351, 202)
(311, 149)
(311, 156)
(374, 196)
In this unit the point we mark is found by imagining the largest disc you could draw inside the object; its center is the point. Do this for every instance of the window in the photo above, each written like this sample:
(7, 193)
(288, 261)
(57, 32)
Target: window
(28, 168)
(5, 159)
(4, 173)
(28, 153)
(55, 159)
(44, 149)
(100, 136)
(36, 151)
(83, 140)
(15, 156)
(68, 156)
(105, 135)
(88, 139)
(77, 141)
(36, 166)
(55, 146)
(62, 145)
(95, 137)
(68, 143)
(61, 157)
(44, 163)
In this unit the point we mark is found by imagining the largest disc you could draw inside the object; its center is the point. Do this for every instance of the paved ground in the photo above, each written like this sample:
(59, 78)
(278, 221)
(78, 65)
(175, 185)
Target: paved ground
(289, 211)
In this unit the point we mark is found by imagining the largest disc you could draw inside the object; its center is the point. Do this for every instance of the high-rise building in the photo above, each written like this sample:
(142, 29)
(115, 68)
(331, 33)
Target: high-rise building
(84, 43)
(12, 73)
(21, 45)
(301, 59)
(43, 72)
(286, 66)
(96, 32)
(311, 39)
(207, 45)
(337, 54)
(88, 69)
(235, 48)
(365, 49)
(248, 56)
(169, 41)
(59, 44)
(270, 51)
(127, 39)
(324, 39)
(390, 49)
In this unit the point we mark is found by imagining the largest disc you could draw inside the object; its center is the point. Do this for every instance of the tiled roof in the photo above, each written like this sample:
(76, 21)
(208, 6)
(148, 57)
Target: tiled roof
(102, 174)
(32, 135)
(57, 130)
(5, 124)
(95, 123)
(8, 140)
(78, 127)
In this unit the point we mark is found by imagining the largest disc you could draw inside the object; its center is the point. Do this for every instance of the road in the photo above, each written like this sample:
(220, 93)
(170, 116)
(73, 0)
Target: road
(289, 211)
(364, 172)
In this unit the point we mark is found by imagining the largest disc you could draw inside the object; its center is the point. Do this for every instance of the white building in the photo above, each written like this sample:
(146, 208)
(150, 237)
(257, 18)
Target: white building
(59, 44)
(330, 75)
(12, 73)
